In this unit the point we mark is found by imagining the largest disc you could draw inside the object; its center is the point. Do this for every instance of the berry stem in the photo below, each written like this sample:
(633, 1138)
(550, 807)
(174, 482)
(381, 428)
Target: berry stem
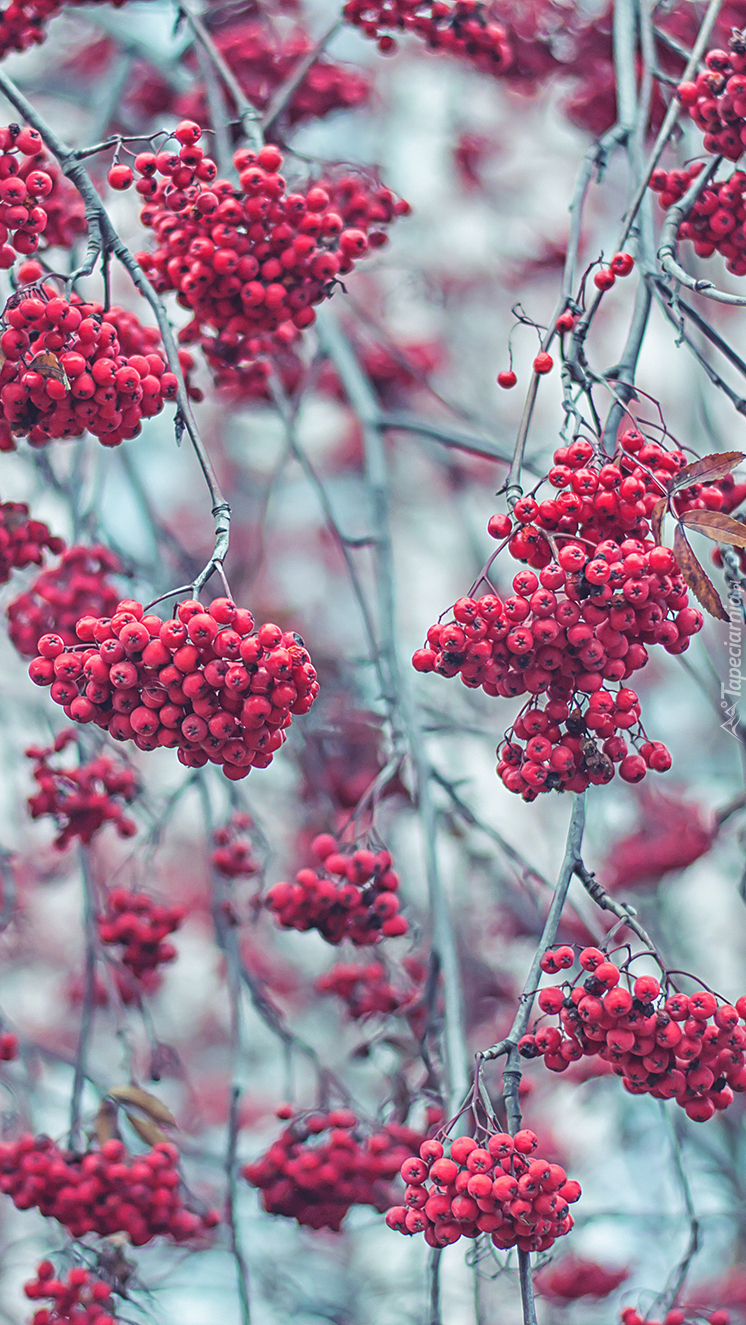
(89, 995)
(549, 934)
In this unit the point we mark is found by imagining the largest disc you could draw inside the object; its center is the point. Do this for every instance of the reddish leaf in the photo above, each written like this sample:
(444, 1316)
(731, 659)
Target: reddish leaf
(696, 577)
(707, 470)
(716, 525)
(656, 520)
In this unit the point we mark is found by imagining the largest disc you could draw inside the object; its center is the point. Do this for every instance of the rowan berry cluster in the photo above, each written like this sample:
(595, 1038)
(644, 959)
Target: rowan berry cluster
(59, 597)
(23, 541)
(365, 989)
(677, 1316)
(262, 59)
(233, 854)
(501, 1188)
(716, 100)
(574, 1277)
(79, 1299)
(205, 683)
(583, 624)
(23, 23)
(716, 220)
(324, 1163)
(23, 186)
(81, 800)
(103, 1191)
(464, 28)
(690, 1048)
(248, 260)
(349, 896)
(139, 926)
(248, 378)
(64, 372)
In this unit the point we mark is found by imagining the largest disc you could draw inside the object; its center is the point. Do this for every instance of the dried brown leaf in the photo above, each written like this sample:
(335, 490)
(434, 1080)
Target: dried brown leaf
(106, 1122)
(696, 577)
(716, 525)
(656, 520)
(146, 1129)
(142, 1099)
(708, 469)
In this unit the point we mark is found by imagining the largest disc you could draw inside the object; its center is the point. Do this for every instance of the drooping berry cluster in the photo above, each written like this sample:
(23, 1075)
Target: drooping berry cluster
(678, 1316)
(501, 1188)
(690, 1048)
(139, 926)
(716, 100)
(103, 1191)
(365, 989)
(23, 541)
(205, 682)
(78, 1299)
(261, 59)
(716, 221)
(59, 597)
(583, 624)
(233, 854)
(81, 800)
(350, 896)
(248, 260)
(464, 28)
(65, 371)
(323, 1163)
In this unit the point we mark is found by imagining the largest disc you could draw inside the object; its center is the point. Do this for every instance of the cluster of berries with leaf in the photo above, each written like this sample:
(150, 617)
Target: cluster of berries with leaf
(600, 589)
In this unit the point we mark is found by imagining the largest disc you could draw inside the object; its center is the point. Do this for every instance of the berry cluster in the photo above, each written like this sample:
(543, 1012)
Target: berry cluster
(365, 989)
(690, 1048)
(583, 624)
(139, 925)
(80, 1299)
(233, 855)
(574, 1277)
(23, 186)
(103, 1191)
(59, 597)
(65, 371)
(262, 59)
(23, 542)
(243, 369)
(501, 1188)
(248, 260)
(716, 221)
(23, 22)
(205, 682)
(464, 28)
(716, 101)
(323, 1163)
(677, 1316)
(81, 800)
(347, 897)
